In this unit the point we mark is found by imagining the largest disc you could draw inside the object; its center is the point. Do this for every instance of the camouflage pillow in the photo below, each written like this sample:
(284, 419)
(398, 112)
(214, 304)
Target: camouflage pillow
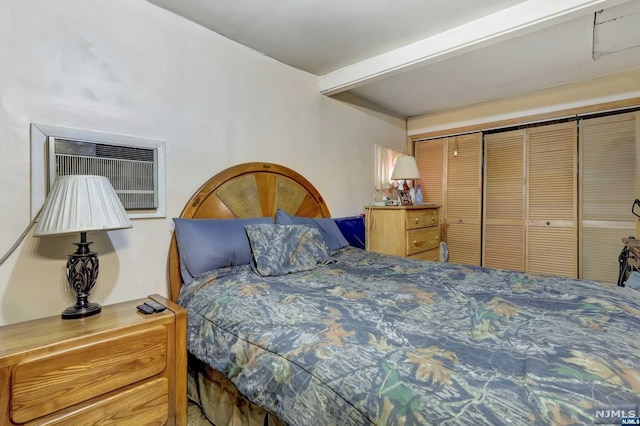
(283, 249)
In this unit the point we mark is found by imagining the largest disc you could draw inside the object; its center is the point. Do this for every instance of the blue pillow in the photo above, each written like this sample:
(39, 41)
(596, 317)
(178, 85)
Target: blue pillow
(330, 232)
(353, 230)
(283, 249)
(208, 244)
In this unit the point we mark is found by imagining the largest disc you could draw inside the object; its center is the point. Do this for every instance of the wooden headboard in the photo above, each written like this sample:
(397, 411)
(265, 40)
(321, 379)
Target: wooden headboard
(248, 190)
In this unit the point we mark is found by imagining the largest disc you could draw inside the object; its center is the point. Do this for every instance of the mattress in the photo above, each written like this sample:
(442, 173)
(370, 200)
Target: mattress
(375, 339)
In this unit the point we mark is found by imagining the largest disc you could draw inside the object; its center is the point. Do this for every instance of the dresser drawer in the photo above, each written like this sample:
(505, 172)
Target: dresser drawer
(404, 230)
(146, 404)
(432, 255)
(421, 218)
(42, 386)
(422, 239)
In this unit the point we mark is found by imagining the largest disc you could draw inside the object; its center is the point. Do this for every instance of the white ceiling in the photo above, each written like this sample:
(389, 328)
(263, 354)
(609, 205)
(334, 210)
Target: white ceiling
(413, 57)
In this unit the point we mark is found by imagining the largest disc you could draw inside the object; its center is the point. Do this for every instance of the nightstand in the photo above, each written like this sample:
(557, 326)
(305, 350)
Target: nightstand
(407, 231)
(117, 367)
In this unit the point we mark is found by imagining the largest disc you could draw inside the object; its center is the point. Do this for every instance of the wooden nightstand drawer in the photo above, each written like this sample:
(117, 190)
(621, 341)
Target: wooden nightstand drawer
(422, 239)
(144, 404)
(119, 367)
(432, 255)
(422, 218)
(403, 231)
(49, 384)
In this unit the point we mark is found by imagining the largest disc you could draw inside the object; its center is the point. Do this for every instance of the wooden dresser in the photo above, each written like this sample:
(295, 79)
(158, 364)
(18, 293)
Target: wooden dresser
(408, 231)
(117, 367)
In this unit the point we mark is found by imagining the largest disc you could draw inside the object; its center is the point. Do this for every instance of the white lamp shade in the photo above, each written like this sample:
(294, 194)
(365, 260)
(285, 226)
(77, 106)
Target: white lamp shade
(406, 168)
(81, 203)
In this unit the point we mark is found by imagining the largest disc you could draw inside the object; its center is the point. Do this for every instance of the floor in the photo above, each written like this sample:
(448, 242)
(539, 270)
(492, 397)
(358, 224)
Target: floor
(195, 416)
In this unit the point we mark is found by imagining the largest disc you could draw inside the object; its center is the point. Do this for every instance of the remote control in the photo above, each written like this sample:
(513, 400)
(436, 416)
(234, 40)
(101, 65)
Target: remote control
(145, 309)
(157, 307)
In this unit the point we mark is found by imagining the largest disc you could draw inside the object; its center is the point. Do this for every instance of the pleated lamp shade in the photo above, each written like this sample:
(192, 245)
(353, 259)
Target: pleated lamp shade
(405, 169)
(81, 203)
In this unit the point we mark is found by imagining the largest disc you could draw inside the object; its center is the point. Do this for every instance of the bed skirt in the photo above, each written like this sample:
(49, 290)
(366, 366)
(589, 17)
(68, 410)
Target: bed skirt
(219, 401)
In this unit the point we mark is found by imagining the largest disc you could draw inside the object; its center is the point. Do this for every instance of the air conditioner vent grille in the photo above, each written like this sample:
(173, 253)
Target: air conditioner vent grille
(131, 170)
(135, 166)
(65, 146)
(124, 152)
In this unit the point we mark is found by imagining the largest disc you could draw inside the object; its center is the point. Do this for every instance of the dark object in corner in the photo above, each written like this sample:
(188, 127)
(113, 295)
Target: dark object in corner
(636, 202)
(145, 309)
(628, 259)
(353, 230)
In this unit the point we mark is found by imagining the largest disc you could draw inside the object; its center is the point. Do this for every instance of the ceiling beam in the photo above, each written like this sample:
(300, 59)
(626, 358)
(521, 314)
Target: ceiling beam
(523, 18)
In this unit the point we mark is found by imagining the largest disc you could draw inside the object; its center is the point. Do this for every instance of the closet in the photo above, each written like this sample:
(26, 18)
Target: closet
(607, 189)
(530, 200)
(463, 198)
(431, 165)
(504, 200)
(552, 199)
(451, 171)
(545, 198)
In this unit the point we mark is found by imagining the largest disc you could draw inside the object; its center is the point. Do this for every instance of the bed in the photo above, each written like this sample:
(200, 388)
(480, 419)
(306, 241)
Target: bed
(341, 336)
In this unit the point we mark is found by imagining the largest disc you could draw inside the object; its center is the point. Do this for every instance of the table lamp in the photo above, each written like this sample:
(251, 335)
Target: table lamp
(405, 169)
(81, 203)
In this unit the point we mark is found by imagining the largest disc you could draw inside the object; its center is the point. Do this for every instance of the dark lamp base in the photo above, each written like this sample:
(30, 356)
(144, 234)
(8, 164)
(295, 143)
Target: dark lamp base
(82, 273)
(75, 311)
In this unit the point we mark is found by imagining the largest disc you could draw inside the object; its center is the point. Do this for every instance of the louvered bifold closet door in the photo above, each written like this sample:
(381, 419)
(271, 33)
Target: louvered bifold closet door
(552, 199)
(504, 200)
(463, 198)
(608, 188)
(431, 165)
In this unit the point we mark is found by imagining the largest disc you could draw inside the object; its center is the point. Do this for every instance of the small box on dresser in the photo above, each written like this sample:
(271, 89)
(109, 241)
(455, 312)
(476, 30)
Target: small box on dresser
(118, 367)
(407, 231)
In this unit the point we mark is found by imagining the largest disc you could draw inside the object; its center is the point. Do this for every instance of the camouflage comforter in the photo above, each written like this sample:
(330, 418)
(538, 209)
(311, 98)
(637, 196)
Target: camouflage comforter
(372, 339)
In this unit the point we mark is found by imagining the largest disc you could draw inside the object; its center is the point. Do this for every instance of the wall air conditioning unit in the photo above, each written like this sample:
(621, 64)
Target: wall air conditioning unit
(134, 166)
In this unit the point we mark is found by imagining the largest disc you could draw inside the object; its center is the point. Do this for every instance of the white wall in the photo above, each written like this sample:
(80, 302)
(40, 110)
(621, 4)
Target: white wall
(128, 67)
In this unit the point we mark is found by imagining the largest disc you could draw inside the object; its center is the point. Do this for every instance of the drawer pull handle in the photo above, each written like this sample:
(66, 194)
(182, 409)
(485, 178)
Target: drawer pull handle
(433, 218)
(437, 238)
(417, 220)
(548, 223)
(459, 220)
